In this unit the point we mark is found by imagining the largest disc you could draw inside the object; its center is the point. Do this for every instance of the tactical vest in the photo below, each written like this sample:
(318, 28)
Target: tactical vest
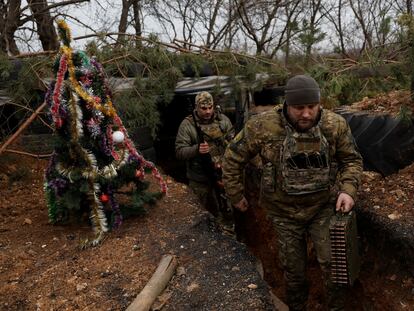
(304, 162)
(215, 136)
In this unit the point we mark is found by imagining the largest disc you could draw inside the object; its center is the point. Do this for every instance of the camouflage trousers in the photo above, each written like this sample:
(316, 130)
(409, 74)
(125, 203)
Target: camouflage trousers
(291, 235)
(206, 195)
(208, 199)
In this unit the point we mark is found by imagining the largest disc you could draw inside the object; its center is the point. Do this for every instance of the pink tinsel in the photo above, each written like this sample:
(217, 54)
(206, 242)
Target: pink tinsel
(63, 66)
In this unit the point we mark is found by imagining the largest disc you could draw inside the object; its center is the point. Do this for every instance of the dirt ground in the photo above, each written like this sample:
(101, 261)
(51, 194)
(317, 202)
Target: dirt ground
(42, 267)
(389, 103)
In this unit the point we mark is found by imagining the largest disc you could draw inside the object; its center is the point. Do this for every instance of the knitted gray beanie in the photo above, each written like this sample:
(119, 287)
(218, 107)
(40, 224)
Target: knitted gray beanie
(302, 90)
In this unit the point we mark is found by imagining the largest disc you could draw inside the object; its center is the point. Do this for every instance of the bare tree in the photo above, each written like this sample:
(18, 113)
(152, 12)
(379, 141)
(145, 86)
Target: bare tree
(215, 20)
(404, 6)
(360, 9)
(45, 28)
(14, 17)
(3, 17)
(374, 18)
(289, 29)
(312, 33)
(136, 19)
(335, 15)
(11, 11)
(178, 17)
(258, 20)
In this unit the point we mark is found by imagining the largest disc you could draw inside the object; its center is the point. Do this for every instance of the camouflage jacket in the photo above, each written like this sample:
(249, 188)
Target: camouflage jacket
(264, 134)
(217, 133)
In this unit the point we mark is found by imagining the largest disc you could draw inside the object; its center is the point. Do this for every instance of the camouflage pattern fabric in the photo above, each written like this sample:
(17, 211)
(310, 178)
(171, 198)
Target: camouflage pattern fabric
(204, 99)
(264, 135)
(292, 248)
(294, 215)
(206, 196)
(304, 157)
(217, 133)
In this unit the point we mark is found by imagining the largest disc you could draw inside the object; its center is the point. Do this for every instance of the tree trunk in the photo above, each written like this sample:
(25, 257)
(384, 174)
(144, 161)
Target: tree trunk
(136, 5)
(411, 32)
(123, 22)
(12, 23)
(3, 16)
(287, 46)
(409, 6)
(44, 22)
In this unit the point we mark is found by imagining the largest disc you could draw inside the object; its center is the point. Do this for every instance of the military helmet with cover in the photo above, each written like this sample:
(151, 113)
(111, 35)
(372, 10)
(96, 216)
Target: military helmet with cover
(204, 99)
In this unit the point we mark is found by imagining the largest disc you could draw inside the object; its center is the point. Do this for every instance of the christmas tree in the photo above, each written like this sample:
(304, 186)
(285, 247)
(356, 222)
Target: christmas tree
(93, 156)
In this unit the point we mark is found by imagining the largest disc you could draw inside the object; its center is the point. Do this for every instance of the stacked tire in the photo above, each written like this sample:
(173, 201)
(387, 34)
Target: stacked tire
(385, 142)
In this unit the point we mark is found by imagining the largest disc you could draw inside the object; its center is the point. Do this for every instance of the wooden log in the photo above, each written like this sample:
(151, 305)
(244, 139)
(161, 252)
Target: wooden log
(39, 156)
(278, 304)
(155, 286)
(22, 128)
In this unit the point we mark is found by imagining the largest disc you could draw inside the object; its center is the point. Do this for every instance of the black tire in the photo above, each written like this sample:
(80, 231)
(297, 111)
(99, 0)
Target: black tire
(386, 143)
(268, 96)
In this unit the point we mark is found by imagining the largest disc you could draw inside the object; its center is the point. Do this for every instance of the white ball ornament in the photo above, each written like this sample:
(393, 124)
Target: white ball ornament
(118, 137)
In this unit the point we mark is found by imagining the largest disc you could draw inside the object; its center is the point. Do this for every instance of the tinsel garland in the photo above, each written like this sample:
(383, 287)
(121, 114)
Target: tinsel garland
(64, 32)
(115, 208)
(58, 185)
(97, 217)
(57, 92)
(131, 148)
(103, 112)
(109, 144)
(76, 128)
(107, 108)
(101, 75)
(109, 111)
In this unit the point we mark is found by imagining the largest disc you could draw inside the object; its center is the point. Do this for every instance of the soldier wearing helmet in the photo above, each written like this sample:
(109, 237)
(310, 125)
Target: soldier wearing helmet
(305, 151)
(204, 133)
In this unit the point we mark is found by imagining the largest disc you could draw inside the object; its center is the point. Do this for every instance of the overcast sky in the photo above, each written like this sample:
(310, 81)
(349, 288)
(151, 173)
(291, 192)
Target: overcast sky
(97, 15)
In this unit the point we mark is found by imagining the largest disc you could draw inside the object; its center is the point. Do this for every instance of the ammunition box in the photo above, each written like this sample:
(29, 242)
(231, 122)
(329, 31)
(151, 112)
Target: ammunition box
(345, 258)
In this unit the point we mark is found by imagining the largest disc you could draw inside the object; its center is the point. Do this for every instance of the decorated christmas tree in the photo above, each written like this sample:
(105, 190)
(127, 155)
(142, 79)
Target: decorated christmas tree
(93, 156)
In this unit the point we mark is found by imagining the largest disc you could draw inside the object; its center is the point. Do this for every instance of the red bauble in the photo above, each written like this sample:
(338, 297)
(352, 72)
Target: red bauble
(139, 174)
(104, 198)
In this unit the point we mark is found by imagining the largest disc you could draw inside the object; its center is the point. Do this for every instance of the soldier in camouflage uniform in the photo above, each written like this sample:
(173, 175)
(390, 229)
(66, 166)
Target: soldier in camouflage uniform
(305, 151)
(217, 131)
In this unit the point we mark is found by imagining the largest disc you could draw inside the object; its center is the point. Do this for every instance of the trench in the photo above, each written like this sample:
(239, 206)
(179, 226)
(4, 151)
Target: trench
(383, 250)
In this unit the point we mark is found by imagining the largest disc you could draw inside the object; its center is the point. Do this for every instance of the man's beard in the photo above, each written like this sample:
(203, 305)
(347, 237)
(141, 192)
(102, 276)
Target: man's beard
(295, 124)
(310, 124)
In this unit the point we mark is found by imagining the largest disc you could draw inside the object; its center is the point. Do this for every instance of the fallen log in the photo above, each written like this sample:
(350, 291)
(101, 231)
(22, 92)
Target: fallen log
(155, 285)
(39, 156)
(22, 127)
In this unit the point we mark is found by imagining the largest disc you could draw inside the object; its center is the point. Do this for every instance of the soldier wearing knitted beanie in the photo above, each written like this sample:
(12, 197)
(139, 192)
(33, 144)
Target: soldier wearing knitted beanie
(305, 151)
